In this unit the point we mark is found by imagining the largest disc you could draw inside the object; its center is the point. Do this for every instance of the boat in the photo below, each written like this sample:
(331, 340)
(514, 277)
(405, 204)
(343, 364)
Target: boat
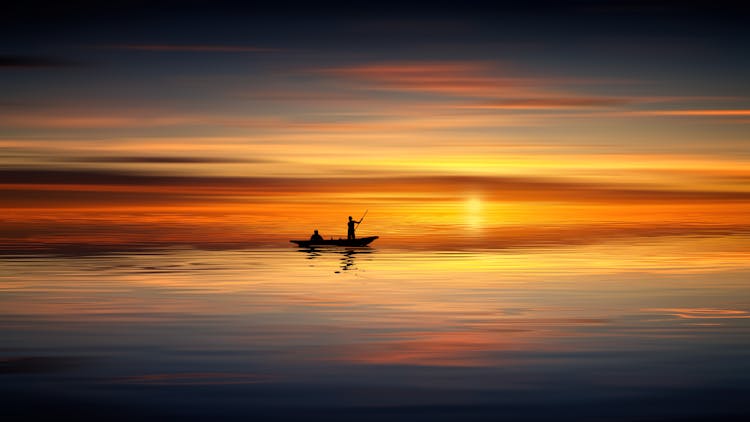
(361, 241)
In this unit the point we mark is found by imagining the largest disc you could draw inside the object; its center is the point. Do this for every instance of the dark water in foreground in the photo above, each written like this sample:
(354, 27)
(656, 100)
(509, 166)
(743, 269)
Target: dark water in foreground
(651, 331)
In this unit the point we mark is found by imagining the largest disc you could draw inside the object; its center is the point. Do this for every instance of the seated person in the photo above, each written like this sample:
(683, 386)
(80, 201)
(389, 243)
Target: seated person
(316, 237)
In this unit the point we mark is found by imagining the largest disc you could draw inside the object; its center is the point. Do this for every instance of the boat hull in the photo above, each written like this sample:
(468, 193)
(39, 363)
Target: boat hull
(362, 241)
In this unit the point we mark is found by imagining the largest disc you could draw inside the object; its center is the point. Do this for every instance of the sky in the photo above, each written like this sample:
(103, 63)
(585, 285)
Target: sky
(493, 124)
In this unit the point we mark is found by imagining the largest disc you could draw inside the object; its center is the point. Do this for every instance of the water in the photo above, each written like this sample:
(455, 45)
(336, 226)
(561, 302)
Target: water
(653, 329)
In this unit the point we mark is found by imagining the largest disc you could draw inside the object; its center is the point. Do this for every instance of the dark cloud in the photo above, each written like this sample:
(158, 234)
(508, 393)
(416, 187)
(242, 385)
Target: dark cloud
(192, 48)
(194, 378)
(492, 187)
(15, 61)
(105, 177)
(38, 364)
(570, 13)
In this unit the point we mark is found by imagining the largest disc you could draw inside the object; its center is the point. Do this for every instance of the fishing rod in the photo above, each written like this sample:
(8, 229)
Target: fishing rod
(363, 218)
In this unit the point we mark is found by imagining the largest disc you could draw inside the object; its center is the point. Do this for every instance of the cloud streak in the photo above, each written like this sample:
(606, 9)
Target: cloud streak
(192, 48)
(161, 160)
(89, 118)
(694, 113)
(33, 62)
(492, 187)
(469, 79)
(449, 83)
(702, 313)
(549, 103)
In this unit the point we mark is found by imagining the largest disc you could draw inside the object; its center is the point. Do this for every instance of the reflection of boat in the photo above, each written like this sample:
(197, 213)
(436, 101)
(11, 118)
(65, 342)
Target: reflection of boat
(362, 241)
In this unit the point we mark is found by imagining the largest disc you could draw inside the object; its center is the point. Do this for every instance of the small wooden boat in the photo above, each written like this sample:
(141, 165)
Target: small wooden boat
(362, 241)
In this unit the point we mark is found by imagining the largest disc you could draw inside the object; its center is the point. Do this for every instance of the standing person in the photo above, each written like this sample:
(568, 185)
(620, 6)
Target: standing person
(351, 223)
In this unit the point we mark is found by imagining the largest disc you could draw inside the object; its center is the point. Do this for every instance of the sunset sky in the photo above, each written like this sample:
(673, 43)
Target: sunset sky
(537, 122)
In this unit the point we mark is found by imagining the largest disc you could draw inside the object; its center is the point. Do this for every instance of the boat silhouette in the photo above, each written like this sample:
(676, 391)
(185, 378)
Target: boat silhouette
(362, 241)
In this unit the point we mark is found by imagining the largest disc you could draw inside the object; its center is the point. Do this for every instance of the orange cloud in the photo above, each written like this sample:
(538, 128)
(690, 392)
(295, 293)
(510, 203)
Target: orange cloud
(549, 103)
(475, 79)
(504, 90)
(703, 313)
(694, 113)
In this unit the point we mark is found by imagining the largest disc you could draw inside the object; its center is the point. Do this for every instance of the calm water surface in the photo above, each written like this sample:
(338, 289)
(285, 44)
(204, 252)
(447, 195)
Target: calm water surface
(651, 330)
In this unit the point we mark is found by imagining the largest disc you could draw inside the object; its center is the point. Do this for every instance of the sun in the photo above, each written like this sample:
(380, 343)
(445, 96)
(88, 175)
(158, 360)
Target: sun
(473, 212)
